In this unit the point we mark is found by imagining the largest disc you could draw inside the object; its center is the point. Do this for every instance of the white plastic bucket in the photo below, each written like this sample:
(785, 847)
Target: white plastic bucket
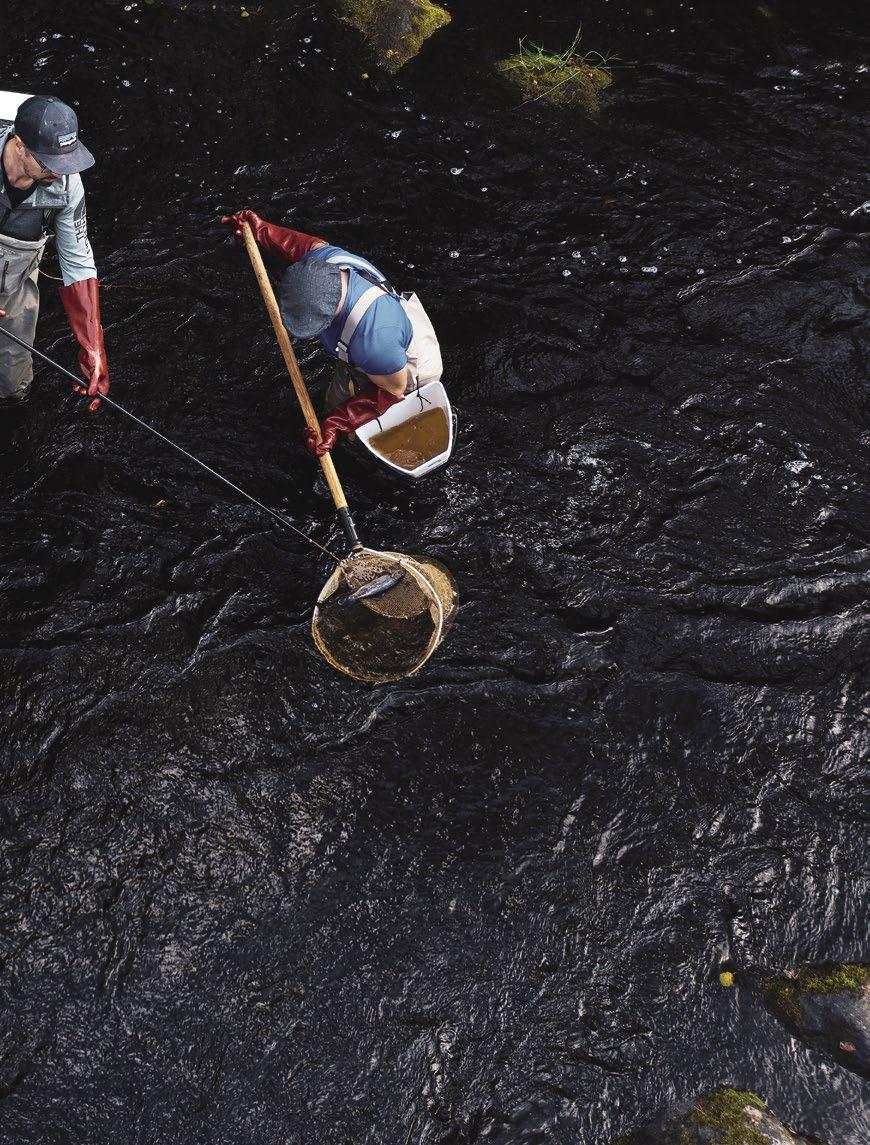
(431, 395)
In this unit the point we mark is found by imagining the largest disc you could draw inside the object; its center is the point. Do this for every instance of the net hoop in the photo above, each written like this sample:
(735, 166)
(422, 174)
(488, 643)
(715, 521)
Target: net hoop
(441, 616)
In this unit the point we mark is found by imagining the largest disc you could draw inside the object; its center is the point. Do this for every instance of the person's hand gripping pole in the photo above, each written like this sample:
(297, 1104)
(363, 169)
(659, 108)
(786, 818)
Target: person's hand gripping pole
(282, 244)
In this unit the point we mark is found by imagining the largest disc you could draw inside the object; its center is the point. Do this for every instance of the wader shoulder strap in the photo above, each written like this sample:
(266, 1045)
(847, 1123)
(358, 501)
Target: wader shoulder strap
(362, 304)
(49, 214)
(353, 260)
(361, 266)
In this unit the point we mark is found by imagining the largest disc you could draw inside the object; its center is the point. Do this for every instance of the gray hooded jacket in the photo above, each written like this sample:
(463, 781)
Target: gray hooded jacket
(58, 208)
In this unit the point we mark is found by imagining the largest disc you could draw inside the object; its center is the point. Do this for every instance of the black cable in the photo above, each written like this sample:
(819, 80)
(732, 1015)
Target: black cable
(180, 449)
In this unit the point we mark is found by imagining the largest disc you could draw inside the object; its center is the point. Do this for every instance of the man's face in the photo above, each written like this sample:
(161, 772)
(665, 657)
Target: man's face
(33, 169)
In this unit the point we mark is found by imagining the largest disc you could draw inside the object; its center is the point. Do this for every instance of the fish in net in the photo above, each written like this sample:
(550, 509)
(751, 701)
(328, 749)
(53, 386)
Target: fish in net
(381, 615)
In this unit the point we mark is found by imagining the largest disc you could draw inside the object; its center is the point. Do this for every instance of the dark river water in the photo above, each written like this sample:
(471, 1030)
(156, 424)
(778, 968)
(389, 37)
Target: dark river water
(247, 900)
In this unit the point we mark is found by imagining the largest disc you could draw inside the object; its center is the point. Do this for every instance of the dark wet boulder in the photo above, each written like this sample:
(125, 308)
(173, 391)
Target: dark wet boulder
(723, 1117)
(828, 1007)
(394, 30)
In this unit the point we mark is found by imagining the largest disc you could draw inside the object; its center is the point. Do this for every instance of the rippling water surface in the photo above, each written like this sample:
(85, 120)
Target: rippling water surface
(247, 900)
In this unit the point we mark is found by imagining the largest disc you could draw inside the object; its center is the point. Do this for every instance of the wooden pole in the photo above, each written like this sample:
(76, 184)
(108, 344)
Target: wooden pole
(292, 365)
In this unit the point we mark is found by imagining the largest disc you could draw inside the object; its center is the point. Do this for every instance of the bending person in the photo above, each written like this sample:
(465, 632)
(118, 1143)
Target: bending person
(383, 342)
(41, 193)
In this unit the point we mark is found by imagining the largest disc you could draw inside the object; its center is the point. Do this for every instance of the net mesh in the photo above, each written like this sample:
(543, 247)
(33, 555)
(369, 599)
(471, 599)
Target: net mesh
(402, 600)
(392, 631)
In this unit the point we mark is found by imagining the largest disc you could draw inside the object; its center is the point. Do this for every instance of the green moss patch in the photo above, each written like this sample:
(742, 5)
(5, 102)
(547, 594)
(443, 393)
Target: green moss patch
(784, 994)
(564, 80)
(723, 1117)
(395, 30)
(723, 1112)
(833, 978)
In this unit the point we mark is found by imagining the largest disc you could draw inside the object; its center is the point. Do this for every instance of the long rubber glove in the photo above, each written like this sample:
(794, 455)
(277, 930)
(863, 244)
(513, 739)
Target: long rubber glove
(280, 242)
(81, 301)
(364, 407)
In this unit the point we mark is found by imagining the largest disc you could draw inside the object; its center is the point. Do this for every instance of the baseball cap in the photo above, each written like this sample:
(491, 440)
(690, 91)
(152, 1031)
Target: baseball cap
(308, 296)
(49, 129)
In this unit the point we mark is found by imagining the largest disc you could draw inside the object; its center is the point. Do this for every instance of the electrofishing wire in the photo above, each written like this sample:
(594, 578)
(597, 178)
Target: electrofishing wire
(179, 448)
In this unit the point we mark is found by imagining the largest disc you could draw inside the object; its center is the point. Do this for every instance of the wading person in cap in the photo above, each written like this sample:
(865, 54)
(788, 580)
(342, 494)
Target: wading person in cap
(383, 342)
(41, 194)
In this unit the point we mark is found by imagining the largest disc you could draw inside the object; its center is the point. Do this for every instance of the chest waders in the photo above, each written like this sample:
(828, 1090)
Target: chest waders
(19, 297)
(24, 232)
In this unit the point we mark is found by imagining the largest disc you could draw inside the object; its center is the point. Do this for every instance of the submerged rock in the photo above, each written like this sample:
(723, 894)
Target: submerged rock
(562, 80)
(395, 30)
(723, 1117)
(828, 1007)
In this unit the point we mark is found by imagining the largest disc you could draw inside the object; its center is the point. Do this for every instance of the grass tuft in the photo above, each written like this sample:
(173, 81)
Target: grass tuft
(560, 79)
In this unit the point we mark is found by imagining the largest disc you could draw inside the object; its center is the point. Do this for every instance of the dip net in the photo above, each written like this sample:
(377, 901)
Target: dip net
(380, 616)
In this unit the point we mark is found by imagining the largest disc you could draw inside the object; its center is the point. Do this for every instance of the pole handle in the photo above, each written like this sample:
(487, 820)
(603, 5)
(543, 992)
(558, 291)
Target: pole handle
(298, 381)
(349, 529)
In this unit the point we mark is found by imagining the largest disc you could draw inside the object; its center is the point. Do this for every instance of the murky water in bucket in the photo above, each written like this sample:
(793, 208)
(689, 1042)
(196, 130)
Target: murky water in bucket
(415, 441)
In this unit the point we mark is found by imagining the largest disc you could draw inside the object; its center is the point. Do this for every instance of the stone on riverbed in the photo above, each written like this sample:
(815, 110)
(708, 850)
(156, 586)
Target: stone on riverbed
(828, 1007)
(395, 30)
(722, 1117)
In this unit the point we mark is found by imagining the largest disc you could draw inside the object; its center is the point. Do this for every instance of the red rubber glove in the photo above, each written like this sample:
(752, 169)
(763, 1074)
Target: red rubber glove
(280, 242)
(368, 404)
(81, 301)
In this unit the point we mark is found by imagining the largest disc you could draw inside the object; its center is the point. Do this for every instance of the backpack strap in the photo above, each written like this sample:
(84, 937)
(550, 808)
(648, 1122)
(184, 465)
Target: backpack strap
(362, 304)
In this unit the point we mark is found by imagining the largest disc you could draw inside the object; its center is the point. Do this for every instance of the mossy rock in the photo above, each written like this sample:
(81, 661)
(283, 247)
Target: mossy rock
(395, 30)
(828, 1007)
(723, 1117)
(563, 81)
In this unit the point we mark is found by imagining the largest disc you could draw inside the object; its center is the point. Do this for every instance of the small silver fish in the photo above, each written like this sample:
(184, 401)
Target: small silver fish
(375, 587)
